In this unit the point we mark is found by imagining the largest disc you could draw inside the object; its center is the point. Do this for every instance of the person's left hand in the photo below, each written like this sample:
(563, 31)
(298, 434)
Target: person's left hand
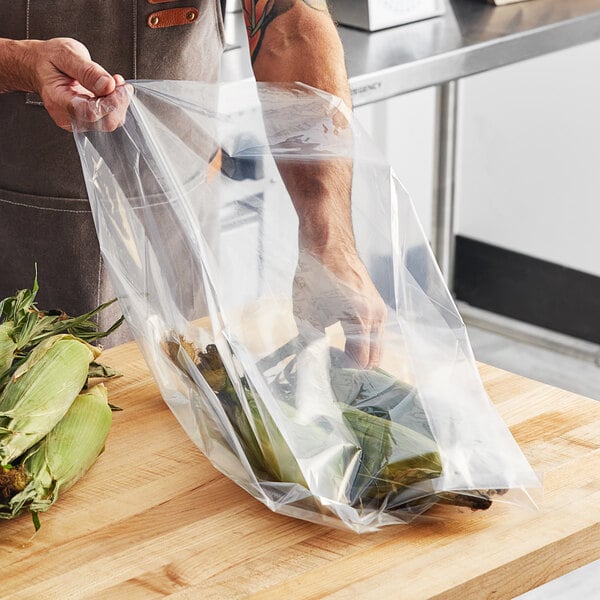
(335, 286)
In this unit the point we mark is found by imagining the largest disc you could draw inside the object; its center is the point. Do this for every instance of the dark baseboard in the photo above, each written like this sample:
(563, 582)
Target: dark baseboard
(528, 289)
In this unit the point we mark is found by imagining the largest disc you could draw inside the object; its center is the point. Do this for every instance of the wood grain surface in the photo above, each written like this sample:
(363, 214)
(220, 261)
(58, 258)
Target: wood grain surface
(153, 518)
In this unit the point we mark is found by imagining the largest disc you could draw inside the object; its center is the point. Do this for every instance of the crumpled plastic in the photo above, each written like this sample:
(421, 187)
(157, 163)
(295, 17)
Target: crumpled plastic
(201, 239)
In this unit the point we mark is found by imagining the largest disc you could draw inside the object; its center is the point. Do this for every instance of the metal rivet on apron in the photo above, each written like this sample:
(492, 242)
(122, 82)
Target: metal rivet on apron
(181, 15)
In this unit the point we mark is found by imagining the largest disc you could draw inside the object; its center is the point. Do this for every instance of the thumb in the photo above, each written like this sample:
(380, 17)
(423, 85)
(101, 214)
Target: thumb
(94, 78)
(89, 74)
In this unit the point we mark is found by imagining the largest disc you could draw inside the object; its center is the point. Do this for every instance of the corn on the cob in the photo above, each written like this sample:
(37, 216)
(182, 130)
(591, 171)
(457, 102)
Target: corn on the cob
(40, 392)
(392, 456)
(265, 447)
(60, 459)
(399, 457)
(7, 347)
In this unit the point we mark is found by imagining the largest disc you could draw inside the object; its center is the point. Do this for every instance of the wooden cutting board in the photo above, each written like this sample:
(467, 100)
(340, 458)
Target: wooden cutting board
(153, 518)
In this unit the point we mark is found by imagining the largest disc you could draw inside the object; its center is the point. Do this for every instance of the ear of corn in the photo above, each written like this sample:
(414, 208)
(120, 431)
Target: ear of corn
(41, 391)
(7, 347)
(50, 431)
(62, 457)
(397, 446)
(392, 456)
(277, 458)
(263, 443)
(399, 458)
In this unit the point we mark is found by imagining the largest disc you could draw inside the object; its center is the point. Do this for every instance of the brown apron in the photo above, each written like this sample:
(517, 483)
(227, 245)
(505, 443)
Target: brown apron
(44, 214)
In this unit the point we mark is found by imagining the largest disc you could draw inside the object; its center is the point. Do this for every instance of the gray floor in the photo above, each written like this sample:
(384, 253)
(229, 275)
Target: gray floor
(574, 374)
(566, 372)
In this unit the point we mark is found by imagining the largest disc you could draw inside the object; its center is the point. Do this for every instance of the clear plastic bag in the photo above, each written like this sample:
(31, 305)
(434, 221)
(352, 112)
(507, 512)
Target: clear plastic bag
(201, 239)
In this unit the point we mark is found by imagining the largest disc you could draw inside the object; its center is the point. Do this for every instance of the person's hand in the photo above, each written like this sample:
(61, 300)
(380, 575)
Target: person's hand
(63, 74)
(335, 286)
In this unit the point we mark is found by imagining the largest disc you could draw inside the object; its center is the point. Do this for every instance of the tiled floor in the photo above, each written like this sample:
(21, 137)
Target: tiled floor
(577, 375)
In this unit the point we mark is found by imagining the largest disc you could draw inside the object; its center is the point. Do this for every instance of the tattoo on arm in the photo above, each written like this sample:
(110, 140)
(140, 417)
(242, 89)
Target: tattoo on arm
(259, 13)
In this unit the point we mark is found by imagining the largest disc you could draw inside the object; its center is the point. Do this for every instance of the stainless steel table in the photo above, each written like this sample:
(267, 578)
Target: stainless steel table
(470, 38)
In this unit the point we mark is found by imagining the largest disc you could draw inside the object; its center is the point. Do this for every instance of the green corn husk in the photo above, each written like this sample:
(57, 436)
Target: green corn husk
(59, 460)
(267, 450)
(41, 391)
(378, 393)
(398, 449)
(399, 457)
(8, 347)
(264, 446)
(23, 326)
(392, 456)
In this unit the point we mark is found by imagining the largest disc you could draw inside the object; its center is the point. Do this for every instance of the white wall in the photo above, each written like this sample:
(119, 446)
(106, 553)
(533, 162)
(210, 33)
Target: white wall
(403, 128)
(529, 157)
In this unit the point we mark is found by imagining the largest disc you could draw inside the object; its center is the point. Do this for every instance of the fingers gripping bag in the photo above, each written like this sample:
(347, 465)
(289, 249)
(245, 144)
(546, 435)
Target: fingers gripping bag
(277, 280)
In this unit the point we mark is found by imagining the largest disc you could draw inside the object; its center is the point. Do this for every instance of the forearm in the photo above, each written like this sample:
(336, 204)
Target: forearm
(16, 73)
(296, 40)
(61, 71)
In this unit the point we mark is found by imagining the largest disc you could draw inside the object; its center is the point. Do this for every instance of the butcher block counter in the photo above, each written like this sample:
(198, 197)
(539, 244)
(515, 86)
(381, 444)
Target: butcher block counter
(153, 518)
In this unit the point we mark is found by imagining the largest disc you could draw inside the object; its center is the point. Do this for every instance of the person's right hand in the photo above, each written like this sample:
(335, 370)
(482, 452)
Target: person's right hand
(332, 286)
(63, 73)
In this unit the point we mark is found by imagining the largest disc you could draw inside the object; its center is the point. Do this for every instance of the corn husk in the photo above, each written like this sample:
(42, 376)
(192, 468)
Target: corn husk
(23, 326)
(392, 456)
(8, 347)
(397, 446)
(40, 392)
(264, 446)
(59, 460)
(398, 457)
